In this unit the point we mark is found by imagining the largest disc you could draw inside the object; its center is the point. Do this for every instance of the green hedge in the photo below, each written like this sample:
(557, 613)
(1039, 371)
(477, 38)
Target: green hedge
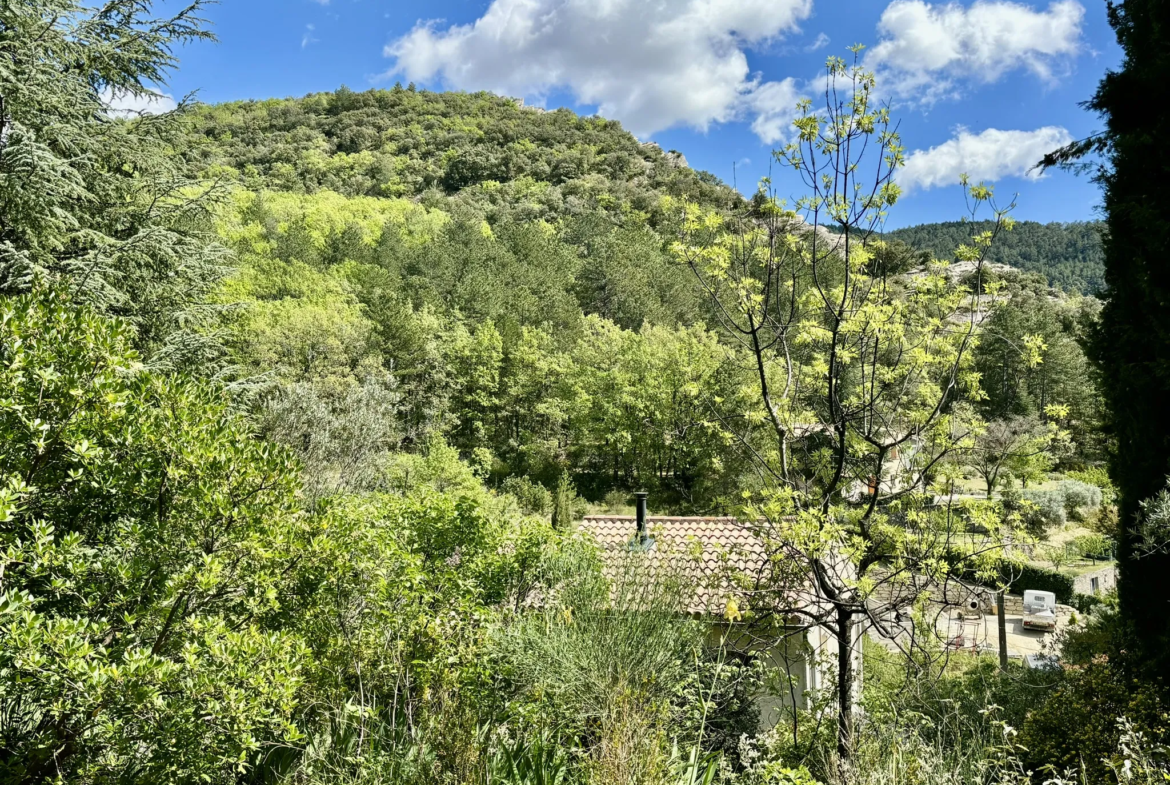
(1027, 576)
(1085, 603)
(1023, 577)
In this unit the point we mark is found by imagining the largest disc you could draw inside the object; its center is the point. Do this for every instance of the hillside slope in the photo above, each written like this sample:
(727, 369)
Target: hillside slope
(1068, 254)
(415, 266)
(497, 155)
(500, 160)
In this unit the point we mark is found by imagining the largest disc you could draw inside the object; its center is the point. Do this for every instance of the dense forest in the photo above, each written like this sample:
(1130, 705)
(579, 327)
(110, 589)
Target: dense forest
(503, 159)
(507, 161)
(1069, 255)
(310, 406)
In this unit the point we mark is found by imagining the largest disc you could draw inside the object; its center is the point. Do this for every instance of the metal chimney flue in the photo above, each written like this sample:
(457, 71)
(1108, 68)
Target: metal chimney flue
(640, 500)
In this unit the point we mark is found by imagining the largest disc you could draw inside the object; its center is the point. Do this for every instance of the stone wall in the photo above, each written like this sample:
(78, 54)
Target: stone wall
(1106, 578)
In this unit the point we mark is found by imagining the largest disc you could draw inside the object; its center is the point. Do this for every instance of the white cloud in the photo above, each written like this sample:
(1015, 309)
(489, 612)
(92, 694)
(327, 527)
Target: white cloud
(652, 64)
(821, 42)
(125, 105)
(308, 38)
(990, 155)
(926, 50)
(774, 107)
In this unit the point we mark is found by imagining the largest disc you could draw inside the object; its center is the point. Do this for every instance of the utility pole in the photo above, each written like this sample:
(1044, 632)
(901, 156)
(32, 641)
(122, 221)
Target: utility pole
(1002, 623)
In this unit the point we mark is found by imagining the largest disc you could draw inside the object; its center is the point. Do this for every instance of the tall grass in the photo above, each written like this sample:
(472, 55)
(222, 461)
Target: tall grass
(604, 659)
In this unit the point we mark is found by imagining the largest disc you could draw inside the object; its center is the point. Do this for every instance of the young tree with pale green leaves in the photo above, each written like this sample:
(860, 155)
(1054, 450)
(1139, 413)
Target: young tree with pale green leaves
(857, 373)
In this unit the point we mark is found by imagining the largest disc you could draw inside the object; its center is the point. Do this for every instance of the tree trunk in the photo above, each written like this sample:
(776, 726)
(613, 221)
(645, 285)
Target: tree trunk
(845, 679)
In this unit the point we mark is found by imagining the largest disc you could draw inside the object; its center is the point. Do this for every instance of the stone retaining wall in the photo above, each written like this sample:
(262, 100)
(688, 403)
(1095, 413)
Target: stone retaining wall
(1106, 579)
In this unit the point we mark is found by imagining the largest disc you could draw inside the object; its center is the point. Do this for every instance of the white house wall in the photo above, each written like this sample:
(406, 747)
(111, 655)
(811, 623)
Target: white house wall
(800, 665)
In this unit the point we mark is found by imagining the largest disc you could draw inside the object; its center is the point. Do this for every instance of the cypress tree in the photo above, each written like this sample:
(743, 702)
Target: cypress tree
(562, 515)
(1132, 345)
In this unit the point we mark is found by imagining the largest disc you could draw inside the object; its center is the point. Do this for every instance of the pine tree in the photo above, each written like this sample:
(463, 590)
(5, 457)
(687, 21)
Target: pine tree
(92, 196)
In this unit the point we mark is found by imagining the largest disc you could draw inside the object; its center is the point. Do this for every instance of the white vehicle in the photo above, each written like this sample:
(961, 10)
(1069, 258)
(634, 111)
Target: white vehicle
(1042, 662)
(1039, 610)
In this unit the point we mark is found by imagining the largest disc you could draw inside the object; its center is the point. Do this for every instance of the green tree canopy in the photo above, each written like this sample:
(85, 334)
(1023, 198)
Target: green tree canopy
(94, 200)
(147, 541)
(1132, 347)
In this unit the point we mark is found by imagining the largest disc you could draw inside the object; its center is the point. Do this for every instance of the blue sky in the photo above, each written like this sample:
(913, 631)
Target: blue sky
(983, 87)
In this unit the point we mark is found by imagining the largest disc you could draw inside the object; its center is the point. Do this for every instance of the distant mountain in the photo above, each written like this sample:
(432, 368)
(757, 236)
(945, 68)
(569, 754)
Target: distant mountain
(1068, 254)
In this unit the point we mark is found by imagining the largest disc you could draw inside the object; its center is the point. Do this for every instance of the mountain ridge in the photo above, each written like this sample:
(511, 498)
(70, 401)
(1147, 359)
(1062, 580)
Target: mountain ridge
(492, 156)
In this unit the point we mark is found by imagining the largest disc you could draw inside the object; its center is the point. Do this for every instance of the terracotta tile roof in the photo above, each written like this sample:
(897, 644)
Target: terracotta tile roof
(720, 557)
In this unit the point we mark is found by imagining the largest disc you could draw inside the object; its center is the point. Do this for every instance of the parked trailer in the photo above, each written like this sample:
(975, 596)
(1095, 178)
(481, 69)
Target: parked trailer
(1039, 610)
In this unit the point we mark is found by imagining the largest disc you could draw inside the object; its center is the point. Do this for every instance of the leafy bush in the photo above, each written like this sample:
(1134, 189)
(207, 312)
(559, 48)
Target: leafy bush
(616, 500)
(1036, 519)
(1067, 496)
(1085, 603)
(151, 552)
(1104, 521)
(532, 497)
(1077, 724)
(1097, 476)
(1049, 510)
(1094, 546)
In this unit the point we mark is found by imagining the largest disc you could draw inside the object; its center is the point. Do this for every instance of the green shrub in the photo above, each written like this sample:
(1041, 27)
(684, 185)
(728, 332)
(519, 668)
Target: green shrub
(1077, 724)
(1070, 498)
(616, 500)
(1098, 476)
(1093, 546)
(1079, 495)
(1040, 510)
(1085, 603)
(151, 551)
(1104, 521)
(563, 507)
(532, 497)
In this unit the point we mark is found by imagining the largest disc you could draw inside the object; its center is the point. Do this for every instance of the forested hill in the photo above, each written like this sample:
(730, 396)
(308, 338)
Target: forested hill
(497, 155)
(1068, 254)
(508, 162)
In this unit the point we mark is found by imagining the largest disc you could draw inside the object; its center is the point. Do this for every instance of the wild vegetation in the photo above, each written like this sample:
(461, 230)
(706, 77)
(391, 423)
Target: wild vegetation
(304, 399)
